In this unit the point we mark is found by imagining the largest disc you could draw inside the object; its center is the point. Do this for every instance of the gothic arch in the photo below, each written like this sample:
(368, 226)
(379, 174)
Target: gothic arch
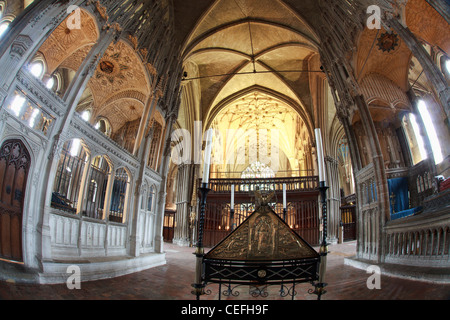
(300, 110)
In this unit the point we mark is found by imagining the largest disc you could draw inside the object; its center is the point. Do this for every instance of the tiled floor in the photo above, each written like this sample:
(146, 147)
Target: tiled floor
(173, 282)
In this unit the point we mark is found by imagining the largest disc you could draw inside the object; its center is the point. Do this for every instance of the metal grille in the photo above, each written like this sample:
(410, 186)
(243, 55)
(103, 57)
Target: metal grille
(118, 196)
(302, 213)
(97, 183)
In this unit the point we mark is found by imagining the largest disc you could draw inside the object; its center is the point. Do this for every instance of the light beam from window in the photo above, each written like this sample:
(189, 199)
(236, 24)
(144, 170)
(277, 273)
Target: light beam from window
(431, 132)
(419, 138)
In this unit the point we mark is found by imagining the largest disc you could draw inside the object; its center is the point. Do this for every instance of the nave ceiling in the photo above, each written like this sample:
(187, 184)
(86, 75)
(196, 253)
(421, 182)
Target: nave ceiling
(231, 48)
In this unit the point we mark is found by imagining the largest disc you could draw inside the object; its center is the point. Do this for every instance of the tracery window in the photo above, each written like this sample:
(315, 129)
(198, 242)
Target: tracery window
(431, 132)
(415, 140)
(69, 173)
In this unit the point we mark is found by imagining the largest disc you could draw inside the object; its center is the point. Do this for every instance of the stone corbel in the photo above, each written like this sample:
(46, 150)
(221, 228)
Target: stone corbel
(20, 45)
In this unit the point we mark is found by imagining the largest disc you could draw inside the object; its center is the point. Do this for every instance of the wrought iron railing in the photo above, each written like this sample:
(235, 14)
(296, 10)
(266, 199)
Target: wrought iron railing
(307, 183)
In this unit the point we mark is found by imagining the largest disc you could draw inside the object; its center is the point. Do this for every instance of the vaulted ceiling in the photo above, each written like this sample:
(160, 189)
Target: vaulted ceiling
(236, 45)
(232, 49)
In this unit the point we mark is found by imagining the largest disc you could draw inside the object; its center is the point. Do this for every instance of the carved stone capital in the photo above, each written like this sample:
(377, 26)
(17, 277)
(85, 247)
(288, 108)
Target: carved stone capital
(20, 45)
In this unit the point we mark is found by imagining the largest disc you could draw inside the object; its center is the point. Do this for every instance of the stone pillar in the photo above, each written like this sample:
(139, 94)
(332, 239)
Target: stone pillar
(134, 236)
(383, 212)
(163, 170)
(333, 198)
(184, 194)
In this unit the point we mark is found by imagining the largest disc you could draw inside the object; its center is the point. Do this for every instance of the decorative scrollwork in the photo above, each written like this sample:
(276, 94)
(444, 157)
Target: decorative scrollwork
(259, 291)
(230, 291)
(285, 291)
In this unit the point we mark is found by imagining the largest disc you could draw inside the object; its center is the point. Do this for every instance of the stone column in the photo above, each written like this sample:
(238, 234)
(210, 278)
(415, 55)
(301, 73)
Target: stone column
(184, 193)
(163, 170)
(134, 236)
(333, 198)
(380, 175)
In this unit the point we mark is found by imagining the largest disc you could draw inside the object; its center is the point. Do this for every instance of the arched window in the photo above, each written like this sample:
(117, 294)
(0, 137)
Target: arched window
(103, 125)
(68, 177)
(443, 62)
(4, 26)
(97, 183)
(50, 83)
(119, 195)
(431, 132)
(415, 140)
(86, 115)
(37, 69)
(54, 82)
(30, 113)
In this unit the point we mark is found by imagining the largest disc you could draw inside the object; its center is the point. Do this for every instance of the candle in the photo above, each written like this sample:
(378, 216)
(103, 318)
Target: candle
(284, 195)
(232, 197)
(320, 157)
(207, 158)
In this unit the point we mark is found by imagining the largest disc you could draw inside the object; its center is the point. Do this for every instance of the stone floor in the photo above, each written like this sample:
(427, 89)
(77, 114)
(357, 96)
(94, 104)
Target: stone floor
(173, 282)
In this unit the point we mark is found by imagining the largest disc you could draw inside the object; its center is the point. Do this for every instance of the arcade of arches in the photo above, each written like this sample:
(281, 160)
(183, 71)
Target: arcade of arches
(105, 105)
